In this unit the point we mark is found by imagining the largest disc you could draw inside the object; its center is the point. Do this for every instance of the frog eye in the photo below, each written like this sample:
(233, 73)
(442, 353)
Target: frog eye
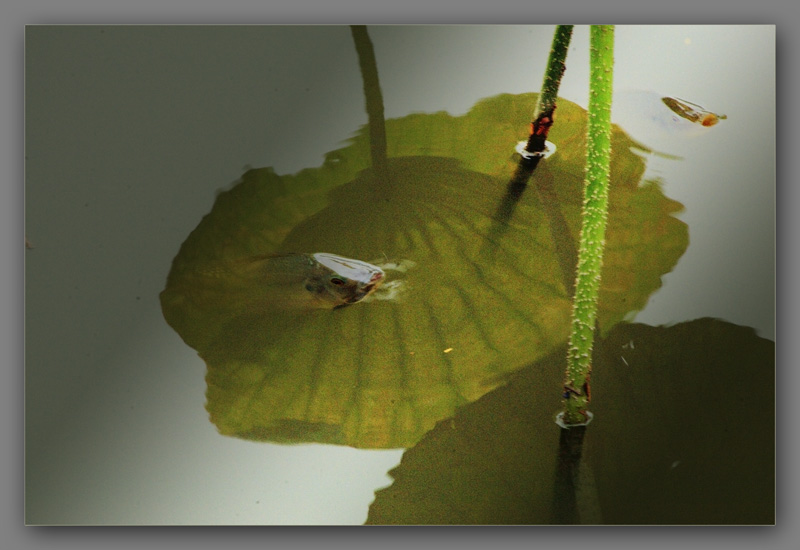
(337, 281)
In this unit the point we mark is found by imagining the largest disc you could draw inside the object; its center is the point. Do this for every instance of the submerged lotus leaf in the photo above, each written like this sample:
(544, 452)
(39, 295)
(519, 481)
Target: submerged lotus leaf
(669, 443)
(477, 284)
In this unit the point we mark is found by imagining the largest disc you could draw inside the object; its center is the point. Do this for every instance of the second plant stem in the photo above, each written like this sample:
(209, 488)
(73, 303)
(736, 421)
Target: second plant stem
(592, 241)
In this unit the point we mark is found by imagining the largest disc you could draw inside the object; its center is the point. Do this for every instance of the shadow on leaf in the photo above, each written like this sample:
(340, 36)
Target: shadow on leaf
(486, 295)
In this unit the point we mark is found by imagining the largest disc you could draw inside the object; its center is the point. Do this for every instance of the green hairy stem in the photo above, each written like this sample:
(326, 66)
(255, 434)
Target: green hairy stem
(592, 240)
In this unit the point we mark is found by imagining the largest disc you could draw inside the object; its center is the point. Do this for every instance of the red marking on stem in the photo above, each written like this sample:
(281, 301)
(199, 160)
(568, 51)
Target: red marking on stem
(541, 126)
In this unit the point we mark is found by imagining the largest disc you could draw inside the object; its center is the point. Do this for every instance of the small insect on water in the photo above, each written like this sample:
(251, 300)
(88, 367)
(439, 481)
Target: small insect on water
(663, 123)
(692, 112)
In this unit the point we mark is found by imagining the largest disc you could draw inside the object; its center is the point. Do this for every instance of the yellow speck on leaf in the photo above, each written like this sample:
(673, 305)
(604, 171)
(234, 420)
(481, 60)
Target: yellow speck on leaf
(448, 350)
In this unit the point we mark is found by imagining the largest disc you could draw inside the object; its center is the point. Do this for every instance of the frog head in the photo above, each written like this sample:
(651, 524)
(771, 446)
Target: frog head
(338, 281)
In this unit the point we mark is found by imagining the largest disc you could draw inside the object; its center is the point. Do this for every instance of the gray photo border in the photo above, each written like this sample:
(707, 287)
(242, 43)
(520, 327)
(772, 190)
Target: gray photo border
(15, 14)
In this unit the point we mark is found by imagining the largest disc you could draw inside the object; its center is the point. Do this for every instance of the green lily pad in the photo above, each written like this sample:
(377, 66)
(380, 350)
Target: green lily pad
(473, 292)
(683, 433)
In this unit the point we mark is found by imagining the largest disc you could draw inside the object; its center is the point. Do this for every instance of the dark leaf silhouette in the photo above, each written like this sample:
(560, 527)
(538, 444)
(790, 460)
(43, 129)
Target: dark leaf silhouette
(683, 433)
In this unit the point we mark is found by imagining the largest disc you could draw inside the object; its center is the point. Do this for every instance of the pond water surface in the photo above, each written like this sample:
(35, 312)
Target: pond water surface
(132, 131)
